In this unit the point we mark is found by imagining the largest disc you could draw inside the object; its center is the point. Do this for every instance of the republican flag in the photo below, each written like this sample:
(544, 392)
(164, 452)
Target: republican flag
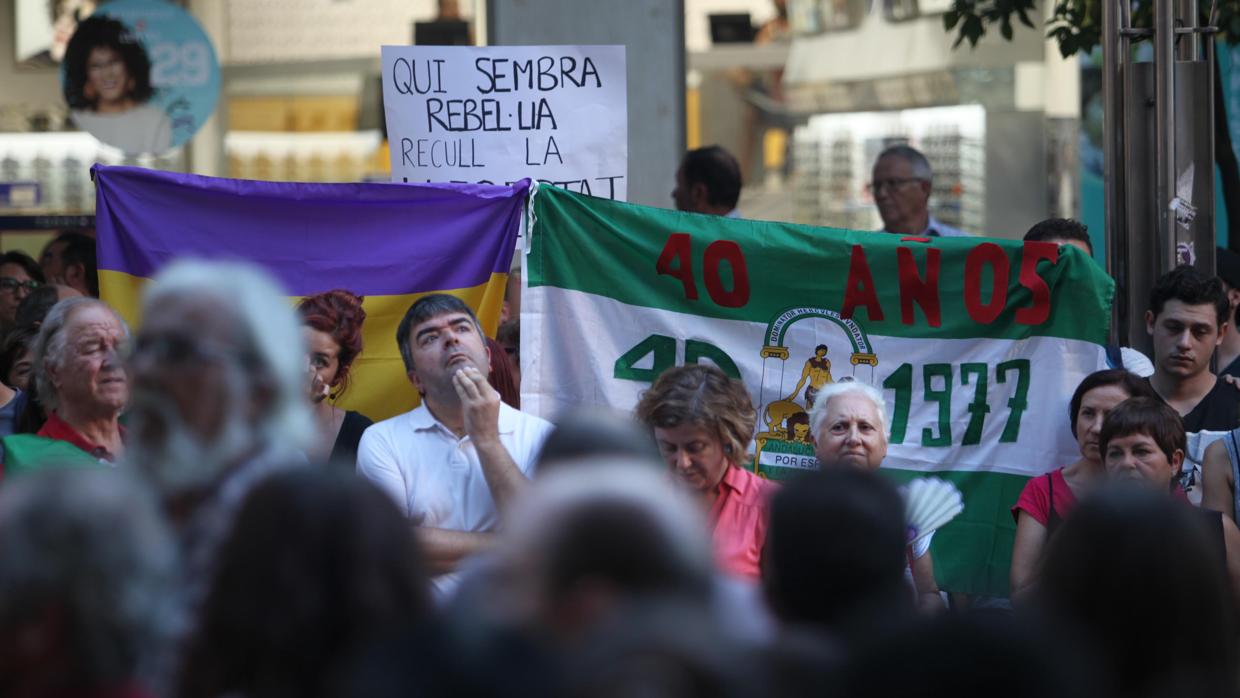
(391, 243)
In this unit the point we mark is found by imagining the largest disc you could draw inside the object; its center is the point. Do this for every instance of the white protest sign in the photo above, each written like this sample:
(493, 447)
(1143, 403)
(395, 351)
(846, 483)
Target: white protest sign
(498, 114)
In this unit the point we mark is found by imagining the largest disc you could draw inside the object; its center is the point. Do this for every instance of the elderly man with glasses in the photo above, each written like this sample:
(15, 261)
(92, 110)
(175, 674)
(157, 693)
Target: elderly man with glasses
(901, 186)
(81, 383)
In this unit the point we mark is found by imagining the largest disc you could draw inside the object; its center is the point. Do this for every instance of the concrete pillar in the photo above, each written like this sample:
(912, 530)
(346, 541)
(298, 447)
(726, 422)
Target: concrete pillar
(654, 36)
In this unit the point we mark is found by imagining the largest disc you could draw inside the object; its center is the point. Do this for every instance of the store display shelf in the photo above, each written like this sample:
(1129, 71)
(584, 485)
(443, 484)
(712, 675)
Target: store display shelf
(44, 220)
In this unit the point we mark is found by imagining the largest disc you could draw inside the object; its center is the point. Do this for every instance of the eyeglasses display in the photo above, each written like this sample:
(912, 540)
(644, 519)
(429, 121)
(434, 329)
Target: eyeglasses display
(305, 157)
(55, 168)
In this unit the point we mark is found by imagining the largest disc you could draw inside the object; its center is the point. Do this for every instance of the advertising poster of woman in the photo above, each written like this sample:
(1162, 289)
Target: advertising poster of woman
(140, 75)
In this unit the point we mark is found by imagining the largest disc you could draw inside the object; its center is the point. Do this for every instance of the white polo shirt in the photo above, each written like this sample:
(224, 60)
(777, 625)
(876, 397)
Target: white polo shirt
(434, 477)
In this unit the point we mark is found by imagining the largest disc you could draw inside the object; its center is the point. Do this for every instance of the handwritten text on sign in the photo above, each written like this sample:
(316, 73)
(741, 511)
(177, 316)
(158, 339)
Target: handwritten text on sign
(498, 114)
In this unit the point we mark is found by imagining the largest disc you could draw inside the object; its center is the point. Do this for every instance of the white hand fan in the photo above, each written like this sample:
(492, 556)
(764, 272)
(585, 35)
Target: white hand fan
(929, 503)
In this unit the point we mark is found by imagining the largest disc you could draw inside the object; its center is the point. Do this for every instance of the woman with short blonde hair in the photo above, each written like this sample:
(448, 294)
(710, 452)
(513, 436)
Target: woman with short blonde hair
(703, 422)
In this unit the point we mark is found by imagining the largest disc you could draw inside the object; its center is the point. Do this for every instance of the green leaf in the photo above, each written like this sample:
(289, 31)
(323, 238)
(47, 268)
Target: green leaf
(973, 29)
(950, 19)
(1024, 18)
(1005, 28)
(1067, 45)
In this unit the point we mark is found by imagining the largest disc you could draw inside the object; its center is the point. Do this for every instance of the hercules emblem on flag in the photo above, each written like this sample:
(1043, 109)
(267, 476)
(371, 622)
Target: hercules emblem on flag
(786, 396)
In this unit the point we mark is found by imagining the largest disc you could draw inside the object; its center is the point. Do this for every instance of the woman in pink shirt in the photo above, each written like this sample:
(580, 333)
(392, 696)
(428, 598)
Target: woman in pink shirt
(703, 421)
(1048, 498)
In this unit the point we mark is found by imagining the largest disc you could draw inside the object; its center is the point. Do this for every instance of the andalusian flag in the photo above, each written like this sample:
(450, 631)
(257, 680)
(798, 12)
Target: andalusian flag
(390, 243)
(976, 343)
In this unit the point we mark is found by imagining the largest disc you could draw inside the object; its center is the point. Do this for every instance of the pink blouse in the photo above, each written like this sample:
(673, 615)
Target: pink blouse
(740, 514)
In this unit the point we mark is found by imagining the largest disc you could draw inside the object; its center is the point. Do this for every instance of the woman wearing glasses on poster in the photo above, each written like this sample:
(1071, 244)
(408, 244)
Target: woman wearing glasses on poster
(107, 83)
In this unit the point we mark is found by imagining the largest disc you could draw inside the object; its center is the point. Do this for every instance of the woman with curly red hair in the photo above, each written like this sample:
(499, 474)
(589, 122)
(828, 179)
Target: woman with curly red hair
(333, 329)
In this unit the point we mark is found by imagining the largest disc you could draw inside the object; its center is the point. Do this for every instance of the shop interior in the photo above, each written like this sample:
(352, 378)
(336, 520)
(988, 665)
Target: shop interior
(804, 97)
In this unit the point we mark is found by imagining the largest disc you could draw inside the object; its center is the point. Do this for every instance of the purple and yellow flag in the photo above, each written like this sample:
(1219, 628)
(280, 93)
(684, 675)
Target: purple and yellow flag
(390, 243)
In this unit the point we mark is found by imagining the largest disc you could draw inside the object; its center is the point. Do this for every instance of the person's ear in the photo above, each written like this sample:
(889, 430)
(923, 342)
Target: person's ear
(1149, 322)
(926, 187)
(699, 195)
(412, 375)
(1177, 462)
(75, 276)
(51, 369)
(88, 91)
(1222, 332)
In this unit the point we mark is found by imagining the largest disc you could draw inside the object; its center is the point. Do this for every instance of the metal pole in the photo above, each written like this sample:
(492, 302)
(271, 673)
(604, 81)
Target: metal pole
(1209, 40)
(1112, 160)
(1188, 46)
(1164, 126)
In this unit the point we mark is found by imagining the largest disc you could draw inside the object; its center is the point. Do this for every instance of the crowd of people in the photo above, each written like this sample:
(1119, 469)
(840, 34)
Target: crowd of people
(185, 511)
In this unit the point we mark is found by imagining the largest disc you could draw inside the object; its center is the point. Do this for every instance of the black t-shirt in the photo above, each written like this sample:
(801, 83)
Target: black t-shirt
(1232, 369)
(1219, 410)
(344, 450)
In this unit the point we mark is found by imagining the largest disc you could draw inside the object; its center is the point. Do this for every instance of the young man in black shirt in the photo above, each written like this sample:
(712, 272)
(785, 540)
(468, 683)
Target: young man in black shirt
(1187, 317)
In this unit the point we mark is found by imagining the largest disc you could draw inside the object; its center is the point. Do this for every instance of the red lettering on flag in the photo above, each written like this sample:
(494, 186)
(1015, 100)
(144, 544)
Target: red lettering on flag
(991, 254)
(1037, 313)
(913, 288)
(718, 252)
(860, 288)
(678, 250)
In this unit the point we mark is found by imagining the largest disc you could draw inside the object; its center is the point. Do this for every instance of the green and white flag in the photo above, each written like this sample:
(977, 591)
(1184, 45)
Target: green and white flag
(976, 343)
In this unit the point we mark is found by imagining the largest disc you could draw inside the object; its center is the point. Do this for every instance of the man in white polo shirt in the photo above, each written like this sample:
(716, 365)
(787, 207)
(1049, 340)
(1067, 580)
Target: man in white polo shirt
(456, 462)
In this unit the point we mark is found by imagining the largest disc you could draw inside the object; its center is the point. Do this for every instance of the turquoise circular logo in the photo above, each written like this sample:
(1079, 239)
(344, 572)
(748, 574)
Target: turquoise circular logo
(140, 75)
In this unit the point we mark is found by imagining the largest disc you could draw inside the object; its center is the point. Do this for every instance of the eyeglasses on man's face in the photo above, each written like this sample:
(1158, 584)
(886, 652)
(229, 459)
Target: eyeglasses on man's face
(10, 285)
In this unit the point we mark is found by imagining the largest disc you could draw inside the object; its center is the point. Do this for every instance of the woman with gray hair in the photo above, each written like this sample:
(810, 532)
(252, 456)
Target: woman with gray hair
(219, 403)
(848, 424)
(87, 586)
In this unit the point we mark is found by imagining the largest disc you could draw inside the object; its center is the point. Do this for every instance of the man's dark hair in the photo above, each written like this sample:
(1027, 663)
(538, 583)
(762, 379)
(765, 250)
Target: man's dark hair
(317, 559)
(15, 343)
(1124, 549)
(1227, 266)
(24, 261)
(101, 31)
(1149, 416)
(584, 434)
(835, 550)
(979, 654)
(34, 307)
(79, 248)
(1059, 229)
(1190, 287)
(718, 170)
(619, 544)
(1122, 378)
(424, 309)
